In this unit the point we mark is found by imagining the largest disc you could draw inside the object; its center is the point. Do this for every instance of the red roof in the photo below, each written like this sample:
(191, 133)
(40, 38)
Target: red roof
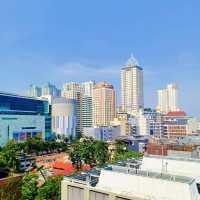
(62, 168)
(66, 168)
(176, 114)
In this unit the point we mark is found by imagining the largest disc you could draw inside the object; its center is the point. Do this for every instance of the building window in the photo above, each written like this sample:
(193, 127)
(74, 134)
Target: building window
(198, 187)
(75, 193)
(98, 196)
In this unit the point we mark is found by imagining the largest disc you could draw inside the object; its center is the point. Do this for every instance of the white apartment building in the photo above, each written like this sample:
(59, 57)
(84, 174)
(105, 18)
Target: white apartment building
(132, 87)
(82, 93)
(167, 99)
(143, 123)
(72, 90)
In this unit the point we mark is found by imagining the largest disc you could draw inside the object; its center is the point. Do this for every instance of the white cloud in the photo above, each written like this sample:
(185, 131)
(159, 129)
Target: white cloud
(80, 71)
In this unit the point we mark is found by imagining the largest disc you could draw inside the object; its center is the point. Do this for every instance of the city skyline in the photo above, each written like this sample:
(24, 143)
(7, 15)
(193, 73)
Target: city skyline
(55, 46)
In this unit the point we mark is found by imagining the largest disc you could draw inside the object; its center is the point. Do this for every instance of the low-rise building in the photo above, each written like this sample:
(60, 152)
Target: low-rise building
(22, 117)
(135, 143)
(104, 133)
(128, 183)
(177, 124)
(122, 120)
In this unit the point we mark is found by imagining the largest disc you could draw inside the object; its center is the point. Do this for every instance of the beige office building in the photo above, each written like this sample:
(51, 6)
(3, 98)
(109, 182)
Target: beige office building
(103, 104)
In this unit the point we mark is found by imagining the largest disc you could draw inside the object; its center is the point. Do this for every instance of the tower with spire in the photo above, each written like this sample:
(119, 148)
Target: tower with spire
(132, 86)
(132, 61)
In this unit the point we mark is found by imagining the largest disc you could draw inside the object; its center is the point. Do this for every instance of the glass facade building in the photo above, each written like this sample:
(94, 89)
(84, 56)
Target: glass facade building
(22, 117)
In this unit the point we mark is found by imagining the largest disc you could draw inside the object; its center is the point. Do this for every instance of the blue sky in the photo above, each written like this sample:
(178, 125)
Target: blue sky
(60, 41)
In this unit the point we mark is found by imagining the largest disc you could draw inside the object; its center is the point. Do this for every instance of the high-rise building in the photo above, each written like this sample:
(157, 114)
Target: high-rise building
(87, 88)
(167, 99)
(73, 87)
(103, 104)
(34, 91)
(72, 90)
(132, 87)
(64, 117)
(86, 104)
(86, 112)
(51, 90)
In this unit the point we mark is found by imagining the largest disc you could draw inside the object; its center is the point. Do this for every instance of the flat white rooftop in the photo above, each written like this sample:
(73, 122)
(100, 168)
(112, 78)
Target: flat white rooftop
(175, 166)
(148, 185)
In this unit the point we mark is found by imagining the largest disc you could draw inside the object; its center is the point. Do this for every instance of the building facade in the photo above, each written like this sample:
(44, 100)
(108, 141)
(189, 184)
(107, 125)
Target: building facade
(103, 104)
(132, 87)
(34, 91)
(167, 99)
(86, 104)
(123, 124)
(50, 89)
(64, 117)
(86, 112)
(104, 133)
(87, 88)
(72, 90)
(22, 117)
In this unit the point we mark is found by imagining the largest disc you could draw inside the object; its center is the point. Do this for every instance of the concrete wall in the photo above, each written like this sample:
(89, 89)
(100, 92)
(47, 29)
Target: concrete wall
(85, 192)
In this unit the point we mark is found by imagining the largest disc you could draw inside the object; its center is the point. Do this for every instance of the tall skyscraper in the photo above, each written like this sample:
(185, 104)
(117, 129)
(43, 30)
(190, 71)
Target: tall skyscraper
(34, 91)
(167, 99)
(86, 104)
(132, 87)
(103, 104)
(72, 90)
(50, 90)
(86, 112)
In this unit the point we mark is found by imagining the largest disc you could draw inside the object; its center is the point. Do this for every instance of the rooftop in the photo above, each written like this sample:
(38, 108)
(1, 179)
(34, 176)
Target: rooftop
(92, 177)
(174, 158)
(150, 174)
(176, 114)
(103, 85)
(19, 96)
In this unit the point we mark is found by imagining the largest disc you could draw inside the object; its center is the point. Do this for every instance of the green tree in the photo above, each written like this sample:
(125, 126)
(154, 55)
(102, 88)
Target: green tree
(51, 190)
(11, 154)
(122, 152)
(3, 161)
(29, 187)
(101, 152)
(75, 156)
(87, 151)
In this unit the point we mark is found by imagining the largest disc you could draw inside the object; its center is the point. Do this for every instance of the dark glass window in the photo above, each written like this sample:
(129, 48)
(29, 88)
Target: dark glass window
(198, 187)
(20, 105)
